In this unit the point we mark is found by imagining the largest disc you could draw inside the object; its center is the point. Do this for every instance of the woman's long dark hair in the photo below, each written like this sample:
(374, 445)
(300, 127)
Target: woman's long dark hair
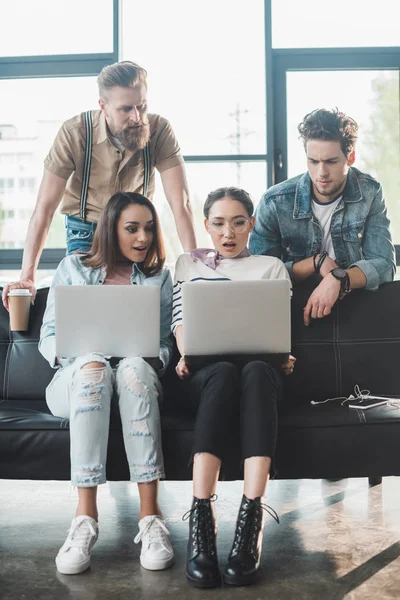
(105, 248)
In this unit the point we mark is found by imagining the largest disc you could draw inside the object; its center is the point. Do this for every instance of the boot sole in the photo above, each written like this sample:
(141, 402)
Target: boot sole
(246, 580)
(208, 583)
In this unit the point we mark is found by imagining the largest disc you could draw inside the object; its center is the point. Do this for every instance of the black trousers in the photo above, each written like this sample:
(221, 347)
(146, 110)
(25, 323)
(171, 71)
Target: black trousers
(234, 404)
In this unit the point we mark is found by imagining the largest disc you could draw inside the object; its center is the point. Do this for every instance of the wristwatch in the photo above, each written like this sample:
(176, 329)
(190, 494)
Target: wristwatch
(342, 276)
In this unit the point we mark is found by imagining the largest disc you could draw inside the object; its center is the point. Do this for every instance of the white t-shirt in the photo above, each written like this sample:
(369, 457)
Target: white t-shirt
(323, 213)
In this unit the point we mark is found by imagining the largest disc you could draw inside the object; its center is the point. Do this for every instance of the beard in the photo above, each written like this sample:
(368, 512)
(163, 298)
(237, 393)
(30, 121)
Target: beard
(134, 138)
(332, 191)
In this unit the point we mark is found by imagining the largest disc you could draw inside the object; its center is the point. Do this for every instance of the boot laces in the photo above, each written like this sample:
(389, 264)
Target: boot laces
(247, 533)
(203, 526)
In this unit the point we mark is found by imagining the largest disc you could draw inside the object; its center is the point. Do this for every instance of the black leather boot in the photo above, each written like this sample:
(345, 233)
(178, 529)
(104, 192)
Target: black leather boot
(202, 562)
(244, 559)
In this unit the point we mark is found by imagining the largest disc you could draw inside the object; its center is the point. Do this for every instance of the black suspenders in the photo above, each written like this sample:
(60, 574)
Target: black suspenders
(88, 161)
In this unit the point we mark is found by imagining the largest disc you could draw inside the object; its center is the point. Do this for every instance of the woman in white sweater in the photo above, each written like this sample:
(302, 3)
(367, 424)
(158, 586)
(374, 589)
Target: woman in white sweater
(227, 399)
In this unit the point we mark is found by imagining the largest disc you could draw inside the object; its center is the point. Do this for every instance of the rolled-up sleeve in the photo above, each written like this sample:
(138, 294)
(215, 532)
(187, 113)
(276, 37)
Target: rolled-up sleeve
(378, 263)
(60, 159)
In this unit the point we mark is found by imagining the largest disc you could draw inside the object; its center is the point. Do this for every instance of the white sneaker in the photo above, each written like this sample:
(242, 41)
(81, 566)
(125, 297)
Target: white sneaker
(74, 555)
(157, 552)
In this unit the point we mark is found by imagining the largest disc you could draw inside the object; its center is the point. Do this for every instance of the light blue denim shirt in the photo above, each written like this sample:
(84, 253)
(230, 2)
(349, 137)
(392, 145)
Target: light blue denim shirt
(72, 271)
(287, 228)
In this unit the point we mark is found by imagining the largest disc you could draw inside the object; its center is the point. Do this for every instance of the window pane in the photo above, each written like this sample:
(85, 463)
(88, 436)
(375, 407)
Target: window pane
(27, 131)
(311, 24)
(206, 77)
(369, 97)
(42, 27)
(202, 179)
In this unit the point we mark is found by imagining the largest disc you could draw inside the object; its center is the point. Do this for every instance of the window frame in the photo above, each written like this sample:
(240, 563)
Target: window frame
(63, 65)
(277, 62)
(318, 59)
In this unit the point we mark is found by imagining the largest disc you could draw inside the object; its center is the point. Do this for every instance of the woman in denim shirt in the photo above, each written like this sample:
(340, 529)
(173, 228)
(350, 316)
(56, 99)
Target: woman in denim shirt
(127, 250)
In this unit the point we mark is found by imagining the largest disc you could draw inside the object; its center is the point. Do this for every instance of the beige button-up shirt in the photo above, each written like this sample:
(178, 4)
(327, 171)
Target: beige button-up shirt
(111, 170)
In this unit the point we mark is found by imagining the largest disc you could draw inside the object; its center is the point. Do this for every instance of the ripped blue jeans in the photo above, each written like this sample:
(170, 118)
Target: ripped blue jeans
(84, 396)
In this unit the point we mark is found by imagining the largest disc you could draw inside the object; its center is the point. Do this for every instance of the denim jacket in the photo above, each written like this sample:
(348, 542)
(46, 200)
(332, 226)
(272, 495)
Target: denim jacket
(72, 271)
(287, 228)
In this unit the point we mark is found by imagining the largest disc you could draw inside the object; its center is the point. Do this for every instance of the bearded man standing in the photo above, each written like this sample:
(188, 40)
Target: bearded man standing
(98, 153)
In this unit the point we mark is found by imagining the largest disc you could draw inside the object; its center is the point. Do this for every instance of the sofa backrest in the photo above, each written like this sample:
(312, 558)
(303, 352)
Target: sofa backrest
(359, 343)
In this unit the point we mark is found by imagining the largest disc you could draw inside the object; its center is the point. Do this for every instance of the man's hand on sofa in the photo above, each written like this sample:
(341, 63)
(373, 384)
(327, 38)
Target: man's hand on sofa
(288, 367)
(26, 284)
(182, 369)
(322, 299)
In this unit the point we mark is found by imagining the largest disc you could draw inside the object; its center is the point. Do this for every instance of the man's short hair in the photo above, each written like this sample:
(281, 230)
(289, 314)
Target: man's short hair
(123, 74)
(322, 124)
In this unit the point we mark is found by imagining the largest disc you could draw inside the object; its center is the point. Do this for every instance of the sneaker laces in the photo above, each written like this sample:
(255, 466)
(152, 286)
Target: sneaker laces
(156, 530)
(79, 535)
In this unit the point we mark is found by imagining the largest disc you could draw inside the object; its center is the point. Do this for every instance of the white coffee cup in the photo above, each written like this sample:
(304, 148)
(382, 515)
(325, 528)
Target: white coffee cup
(19, 303)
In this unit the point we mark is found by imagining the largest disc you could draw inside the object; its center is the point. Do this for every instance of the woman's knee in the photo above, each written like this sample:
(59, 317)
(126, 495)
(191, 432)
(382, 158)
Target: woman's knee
(91, 385)
(225, 370)
(136, 375)
(259, 367)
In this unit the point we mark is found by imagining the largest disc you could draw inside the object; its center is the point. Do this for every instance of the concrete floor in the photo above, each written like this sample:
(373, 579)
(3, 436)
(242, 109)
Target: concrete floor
(336, 540)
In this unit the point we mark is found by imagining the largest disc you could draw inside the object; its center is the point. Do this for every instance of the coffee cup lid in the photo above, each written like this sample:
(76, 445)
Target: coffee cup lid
(19, 292)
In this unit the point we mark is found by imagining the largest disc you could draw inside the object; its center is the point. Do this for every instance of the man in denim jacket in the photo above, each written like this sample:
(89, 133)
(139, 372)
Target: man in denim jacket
(331, 220)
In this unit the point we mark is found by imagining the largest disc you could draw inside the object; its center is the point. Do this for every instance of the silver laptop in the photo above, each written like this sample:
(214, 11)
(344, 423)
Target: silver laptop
(242, 319)
(116, 320)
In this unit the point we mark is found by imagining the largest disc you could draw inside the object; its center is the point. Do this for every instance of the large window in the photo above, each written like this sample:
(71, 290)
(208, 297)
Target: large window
(50, 54)
(206, 70)
(234, 79)
(372, 99)
(46, 27)
(316, 24)
(208, 79)
(26, 136)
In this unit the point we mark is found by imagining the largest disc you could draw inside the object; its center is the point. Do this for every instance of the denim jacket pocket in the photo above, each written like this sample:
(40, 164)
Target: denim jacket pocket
(353, 236)
(293, 252)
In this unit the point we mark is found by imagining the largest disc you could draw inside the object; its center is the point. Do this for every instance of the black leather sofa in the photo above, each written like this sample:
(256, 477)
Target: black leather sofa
(359, 343)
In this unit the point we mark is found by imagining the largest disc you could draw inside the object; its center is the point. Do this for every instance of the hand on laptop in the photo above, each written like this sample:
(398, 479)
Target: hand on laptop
(182, 368)
(288, 367)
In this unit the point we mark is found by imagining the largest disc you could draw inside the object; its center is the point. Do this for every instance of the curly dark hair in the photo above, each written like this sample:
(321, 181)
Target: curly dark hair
(232, 192)
(322, 124)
